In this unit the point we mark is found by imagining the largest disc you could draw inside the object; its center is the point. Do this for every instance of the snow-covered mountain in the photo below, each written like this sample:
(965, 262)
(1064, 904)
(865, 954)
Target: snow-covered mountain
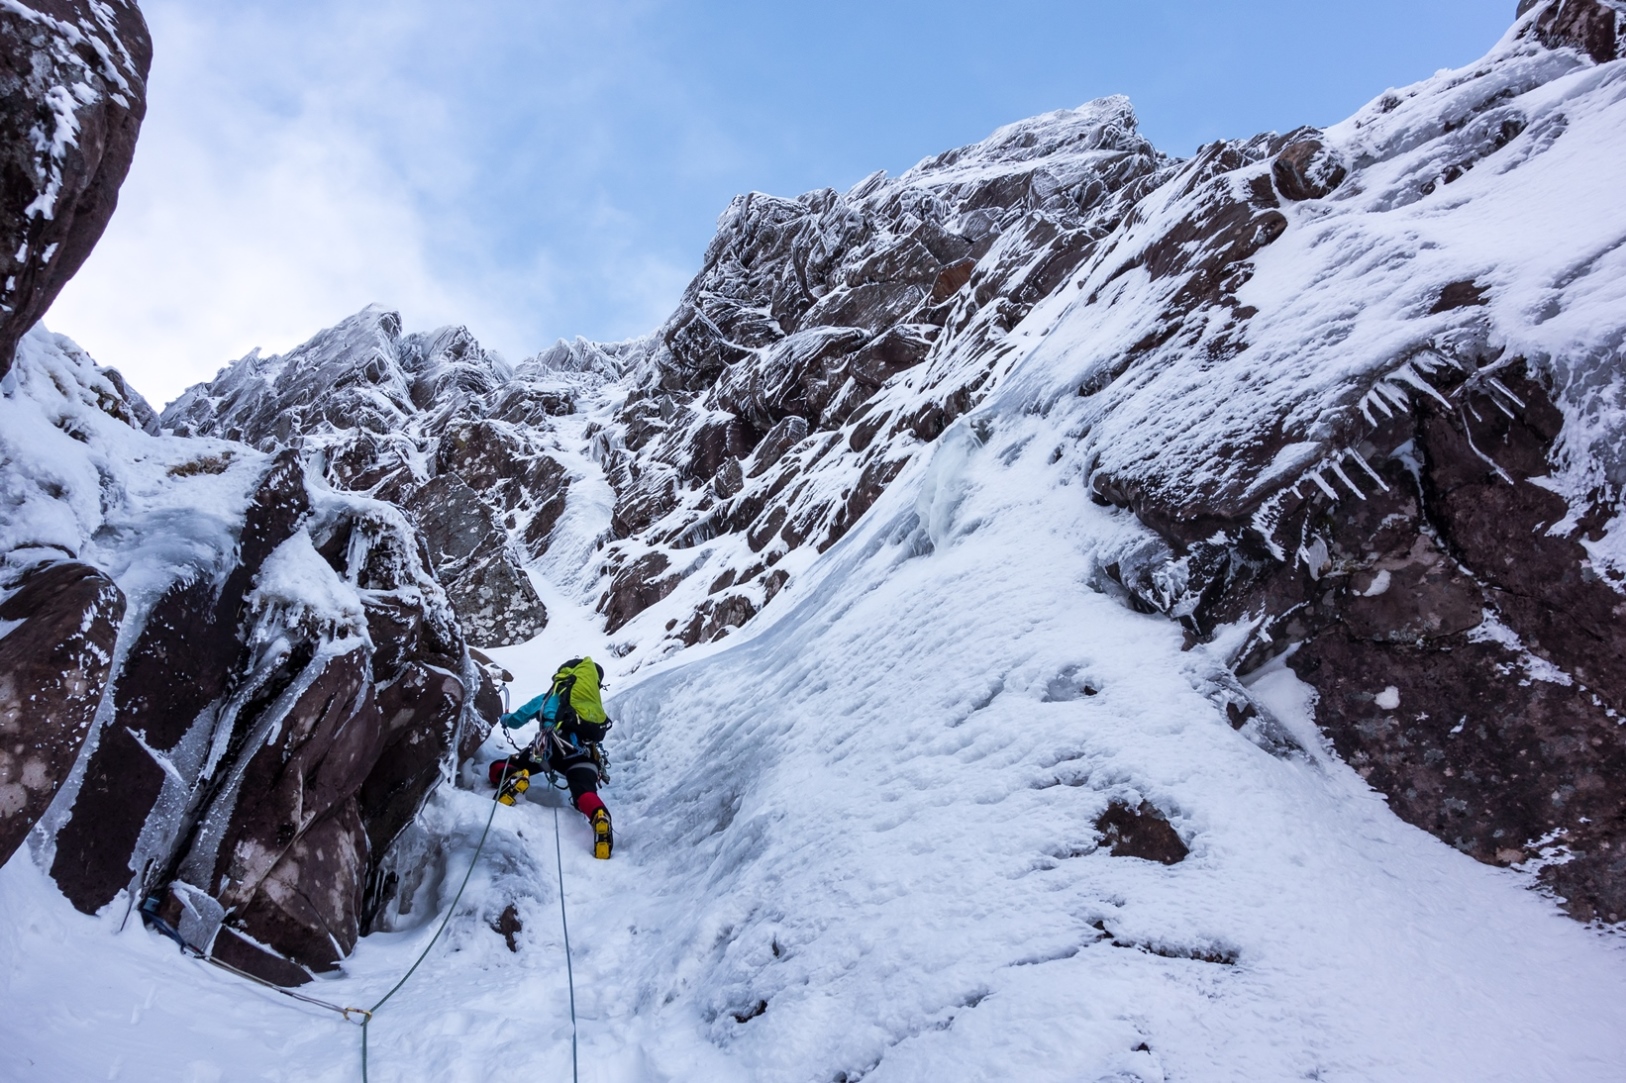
(1045, 593)
(1361, 386)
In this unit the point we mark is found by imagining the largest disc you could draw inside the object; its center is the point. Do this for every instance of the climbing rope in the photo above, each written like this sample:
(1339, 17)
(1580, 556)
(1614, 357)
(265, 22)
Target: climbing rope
(351, 1015)
(564, 923)
(367, 1016)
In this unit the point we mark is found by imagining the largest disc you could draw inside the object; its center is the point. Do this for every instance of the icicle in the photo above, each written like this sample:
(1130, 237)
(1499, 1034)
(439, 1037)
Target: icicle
(1407, 374)
(1393, 395)
(1375, 402)
(1328, 489)
(1336, 469)
(1264, 523)
(1503, 388)
(1358, 457)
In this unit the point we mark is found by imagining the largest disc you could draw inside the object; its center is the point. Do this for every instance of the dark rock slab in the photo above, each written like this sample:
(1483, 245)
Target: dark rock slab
(494, 600)
(779, 439)
(1308, 170)
(262, 756)
(637, 587)
(1469, 659)
(418, 712)
(716, 617)
(1472, 748)
(180, 664)
(56, 648)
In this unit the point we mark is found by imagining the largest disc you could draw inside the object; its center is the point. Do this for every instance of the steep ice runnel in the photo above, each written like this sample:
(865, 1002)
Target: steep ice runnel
(858, 843)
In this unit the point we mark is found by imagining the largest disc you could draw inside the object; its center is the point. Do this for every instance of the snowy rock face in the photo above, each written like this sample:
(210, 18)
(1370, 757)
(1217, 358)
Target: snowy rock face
(238, 684)
(1367, 394)
(73, 90)
(406, 418)
(759, 414)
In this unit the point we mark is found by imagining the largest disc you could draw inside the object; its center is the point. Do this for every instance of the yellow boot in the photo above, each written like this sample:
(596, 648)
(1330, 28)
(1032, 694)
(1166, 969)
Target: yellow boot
(517, 783)
(603, 839)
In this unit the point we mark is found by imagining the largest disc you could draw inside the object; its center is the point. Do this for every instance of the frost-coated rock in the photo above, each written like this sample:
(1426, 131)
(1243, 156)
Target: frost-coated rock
(73, 90)
(416, 419)
(287, 685)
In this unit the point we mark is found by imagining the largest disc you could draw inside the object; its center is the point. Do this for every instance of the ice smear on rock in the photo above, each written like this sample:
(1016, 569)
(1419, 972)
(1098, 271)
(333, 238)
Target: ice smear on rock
(286, 686)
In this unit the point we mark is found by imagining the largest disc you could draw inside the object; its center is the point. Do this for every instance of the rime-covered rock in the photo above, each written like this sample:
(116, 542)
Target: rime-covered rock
(433, 423)
(751, 414)
(1376, 429)
(73, 90)
(287, 685)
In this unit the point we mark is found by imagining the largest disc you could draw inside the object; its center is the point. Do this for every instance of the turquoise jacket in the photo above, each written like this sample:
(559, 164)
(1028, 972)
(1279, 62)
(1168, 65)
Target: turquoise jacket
(525, 715)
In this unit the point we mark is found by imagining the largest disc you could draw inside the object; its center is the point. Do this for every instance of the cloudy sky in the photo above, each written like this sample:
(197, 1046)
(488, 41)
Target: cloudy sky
(545, 168)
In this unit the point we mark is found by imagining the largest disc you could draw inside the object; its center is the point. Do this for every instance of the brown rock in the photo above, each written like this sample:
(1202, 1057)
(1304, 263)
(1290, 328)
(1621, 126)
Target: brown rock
(871, 484)
(896, 350)
(1411, 597)
(951, 280)
(53, 667)
(636, 588)
(493, 597)
(266, 850)
(1468, 660)
(909, 262)
(544, 520)
(716, 617)
(715, 443)
(1308, 170)
(1467, 746)
(508, 925)
(418, 712)
(499, 463)
(780, 439)
(186, 653)
(872, 307)
(60, 169)
(1589, 26)
(1459, 295)
(1142, 832)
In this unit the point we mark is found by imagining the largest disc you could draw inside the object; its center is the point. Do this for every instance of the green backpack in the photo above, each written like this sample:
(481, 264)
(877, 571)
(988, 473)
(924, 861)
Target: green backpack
(573, 705)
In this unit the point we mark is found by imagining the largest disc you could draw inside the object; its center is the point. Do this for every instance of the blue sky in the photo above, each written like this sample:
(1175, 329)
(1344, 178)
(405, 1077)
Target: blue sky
(537, 169)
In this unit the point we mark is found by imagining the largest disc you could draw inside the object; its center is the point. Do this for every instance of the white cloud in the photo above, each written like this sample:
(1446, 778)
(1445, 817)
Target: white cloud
(296, 167)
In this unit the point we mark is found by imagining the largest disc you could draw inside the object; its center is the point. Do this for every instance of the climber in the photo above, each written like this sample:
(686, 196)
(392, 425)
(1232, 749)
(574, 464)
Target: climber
(573, 724)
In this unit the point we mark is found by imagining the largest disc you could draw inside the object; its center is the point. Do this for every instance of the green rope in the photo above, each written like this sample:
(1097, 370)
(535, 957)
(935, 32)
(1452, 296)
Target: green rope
(444, 922)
